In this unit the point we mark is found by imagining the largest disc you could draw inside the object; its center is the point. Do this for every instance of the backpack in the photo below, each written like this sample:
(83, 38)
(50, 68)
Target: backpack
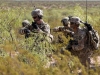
(93, 39)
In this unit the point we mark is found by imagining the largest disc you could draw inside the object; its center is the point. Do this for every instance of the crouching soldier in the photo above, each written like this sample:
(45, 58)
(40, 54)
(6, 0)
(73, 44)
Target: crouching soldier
(25, 28)
(39, 26)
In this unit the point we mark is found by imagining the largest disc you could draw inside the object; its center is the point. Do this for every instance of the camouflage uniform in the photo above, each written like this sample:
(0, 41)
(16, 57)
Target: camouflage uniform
(42, 27)
(65, 28)
(78, 45)
(80, 38)
(65, 31)
(25, 28)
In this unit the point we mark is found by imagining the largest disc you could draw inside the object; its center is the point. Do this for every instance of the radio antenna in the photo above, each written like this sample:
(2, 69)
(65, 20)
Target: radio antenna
(86, 11)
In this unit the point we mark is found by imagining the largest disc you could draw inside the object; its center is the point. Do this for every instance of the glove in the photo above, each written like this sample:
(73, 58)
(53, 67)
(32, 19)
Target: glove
(23, 31)
(26, 31)
(89, 26)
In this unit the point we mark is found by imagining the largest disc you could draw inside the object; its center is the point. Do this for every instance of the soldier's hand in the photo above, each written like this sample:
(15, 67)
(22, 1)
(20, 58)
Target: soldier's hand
(24, 31)
(89, 26)
(21, 31)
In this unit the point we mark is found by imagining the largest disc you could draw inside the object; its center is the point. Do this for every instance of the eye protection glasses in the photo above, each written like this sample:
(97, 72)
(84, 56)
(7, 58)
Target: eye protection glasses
(34, 17)
(65, 25)
(72, 23)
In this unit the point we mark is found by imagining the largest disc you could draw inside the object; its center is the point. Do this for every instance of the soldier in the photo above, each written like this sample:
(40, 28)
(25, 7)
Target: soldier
(79, 45)
(65, 28)
(78, 41)
(39, 26)
(38, 23)
(25, 28)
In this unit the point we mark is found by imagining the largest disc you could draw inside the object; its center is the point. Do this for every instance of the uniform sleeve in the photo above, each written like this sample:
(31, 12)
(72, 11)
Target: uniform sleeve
(81, 41)
(58, 29)
(47, 28)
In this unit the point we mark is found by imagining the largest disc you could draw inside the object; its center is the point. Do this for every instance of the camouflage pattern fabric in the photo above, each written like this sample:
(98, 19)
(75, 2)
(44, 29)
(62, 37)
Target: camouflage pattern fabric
(35, 28)
(44, 28)
(80, 37)
(66, 31)
(83, 55)
(81, 49)
(36, 12)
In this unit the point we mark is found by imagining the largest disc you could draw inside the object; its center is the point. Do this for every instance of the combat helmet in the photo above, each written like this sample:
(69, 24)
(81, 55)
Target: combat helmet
(25, 23)
(65, 21)
(75, 20)
(37, 12)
